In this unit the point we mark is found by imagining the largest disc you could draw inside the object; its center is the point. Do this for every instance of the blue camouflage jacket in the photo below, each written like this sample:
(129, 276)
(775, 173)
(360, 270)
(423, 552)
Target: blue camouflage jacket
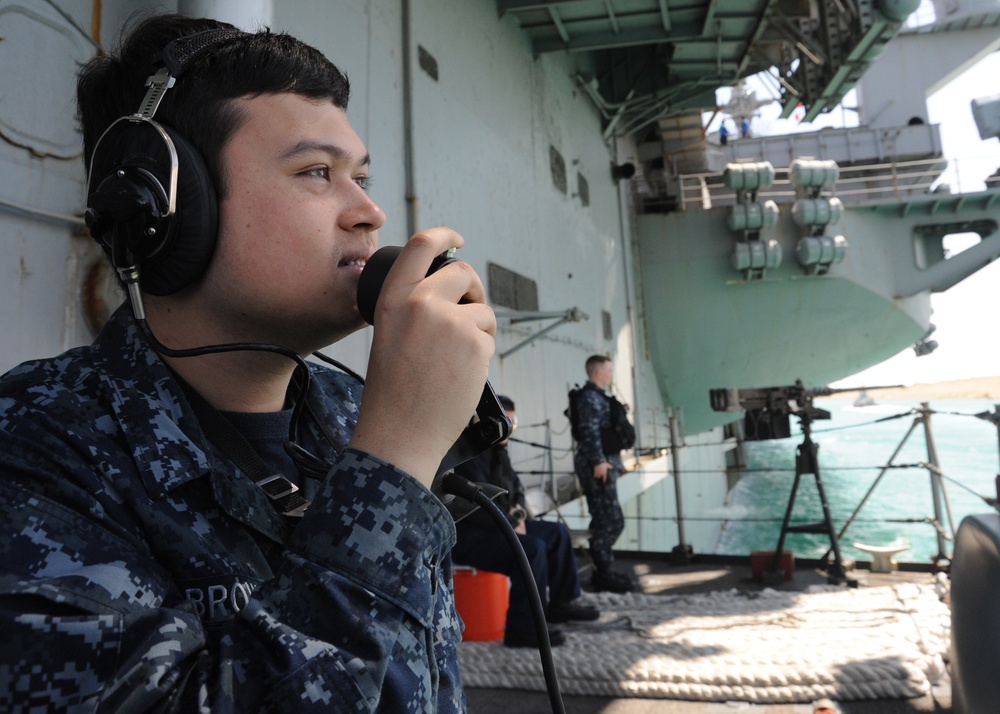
(593, 413)
(140, 570)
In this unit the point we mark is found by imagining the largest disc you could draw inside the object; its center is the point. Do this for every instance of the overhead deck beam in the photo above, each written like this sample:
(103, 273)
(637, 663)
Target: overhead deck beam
(608, 4)
(505, 6)
(639, 47)
(590, 41)
(572, 40)
(762, 23)
(665, 15)
(706, 28)
(560, 27)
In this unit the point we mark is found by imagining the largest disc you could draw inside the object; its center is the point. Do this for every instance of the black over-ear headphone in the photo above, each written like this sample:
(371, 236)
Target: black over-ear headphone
(151, 203)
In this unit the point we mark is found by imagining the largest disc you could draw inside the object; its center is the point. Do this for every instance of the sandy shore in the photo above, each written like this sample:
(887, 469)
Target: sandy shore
(975, 388)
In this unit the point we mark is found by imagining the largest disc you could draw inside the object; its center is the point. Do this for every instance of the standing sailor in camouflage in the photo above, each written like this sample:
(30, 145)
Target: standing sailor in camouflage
(597, 470)
(147, 563)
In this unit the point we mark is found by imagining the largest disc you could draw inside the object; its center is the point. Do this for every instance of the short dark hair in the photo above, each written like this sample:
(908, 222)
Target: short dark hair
(200, 105)
(594, 361)
(506, 402)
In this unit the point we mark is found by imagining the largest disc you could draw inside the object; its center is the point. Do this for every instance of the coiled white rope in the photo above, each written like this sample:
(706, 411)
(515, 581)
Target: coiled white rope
(766, 647)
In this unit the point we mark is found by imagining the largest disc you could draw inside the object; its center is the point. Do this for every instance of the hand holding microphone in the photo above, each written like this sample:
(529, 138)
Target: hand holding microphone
(429, 360)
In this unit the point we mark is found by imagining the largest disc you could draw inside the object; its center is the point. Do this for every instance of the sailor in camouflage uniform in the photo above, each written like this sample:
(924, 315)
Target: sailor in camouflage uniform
(598, 473)
(140, 568)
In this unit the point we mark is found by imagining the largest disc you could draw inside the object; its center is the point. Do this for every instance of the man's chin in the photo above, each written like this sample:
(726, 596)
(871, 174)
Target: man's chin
(345, 329)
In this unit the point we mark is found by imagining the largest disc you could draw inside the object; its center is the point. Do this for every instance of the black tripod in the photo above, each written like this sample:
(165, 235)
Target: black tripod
(807, 462)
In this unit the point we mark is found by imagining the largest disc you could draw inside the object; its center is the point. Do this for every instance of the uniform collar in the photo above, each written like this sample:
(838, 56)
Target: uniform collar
(163, 434)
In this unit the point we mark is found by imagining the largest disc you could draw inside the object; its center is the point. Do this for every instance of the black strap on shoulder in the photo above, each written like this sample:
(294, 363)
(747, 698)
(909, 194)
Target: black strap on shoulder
(227, 438)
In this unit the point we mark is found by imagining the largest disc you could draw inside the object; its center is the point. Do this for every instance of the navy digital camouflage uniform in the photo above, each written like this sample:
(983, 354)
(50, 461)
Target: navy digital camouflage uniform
(606, 519)
(140, 570)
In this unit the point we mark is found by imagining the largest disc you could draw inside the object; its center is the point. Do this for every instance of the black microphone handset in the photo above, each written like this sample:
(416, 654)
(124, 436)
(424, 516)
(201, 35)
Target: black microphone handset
(490, 423)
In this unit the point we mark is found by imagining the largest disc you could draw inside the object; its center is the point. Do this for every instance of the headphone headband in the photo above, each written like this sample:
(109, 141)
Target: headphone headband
(176, 57)
(180, 53)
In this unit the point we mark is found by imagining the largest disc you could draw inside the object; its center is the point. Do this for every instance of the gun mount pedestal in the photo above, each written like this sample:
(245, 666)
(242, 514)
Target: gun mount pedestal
(807, 462)
(766, 416)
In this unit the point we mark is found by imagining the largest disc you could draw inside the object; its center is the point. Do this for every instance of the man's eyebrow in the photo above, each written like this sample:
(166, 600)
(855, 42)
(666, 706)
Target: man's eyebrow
(337, 152)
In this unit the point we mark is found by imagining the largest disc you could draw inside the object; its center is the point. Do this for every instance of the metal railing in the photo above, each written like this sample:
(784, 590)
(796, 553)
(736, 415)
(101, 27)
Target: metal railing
(889, 180)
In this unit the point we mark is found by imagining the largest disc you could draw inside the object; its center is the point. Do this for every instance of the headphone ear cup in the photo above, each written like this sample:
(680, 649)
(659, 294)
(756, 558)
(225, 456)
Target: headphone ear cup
(172, 252)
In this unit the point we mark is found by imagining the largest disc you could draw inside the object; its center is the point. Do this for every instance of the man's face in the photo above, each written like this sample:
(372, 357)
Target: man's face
(295, 227)
(603, 375)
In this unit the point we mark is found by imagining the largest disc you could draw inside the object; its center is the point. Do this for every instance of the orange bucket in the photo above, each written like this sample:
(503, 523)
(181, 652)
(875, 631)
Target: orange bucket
(763, 560)
(482, 598)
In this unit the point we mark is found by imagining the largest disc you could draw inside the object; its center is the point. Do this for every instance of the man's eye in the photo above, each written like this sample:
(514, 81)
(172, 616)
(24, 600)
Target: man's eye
(322, 172)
